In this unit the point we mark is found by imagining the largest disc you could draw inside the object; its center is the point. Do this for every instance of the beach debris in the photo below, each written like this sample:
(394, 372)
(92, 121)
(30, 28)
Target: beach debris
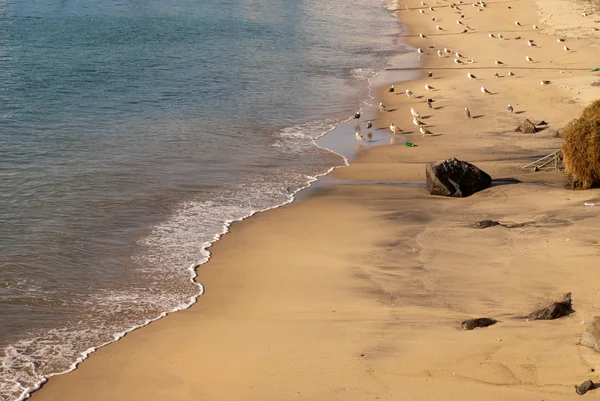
(486, 224)
(456, 178)
(527, 127)
(561, 131)
(359, 137)
(409, 144)
(467, 112)
(357, 115)
(555, 310)
(479, 322)
(585, 387)
(591, 336)
(424, 131)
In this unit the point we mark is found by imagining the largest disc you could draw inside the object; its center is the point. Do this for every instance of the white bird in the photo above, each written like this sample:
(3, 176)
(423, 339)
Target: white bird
(530, 43)
(409, 93)
(544, 82)
(491, 35)
(483, 90)
(560, 40)
(369, 124)
(535, 27)
(422, 36)
(420, 51)
(510, 73)
(584, 14)
(359, 137)
(528, 59)
(422, 12)
(447, 51)
(467, 112)
(469, 75)
(459, 22)
(428, 87)
(517, 23)
(394, 128)
(431, 9)
(498, 62)
(391, 90)
(510, 108)
(440, 54)
(382, 107)
(425, 131)
(417, 122)
(565, 48)
(500, 36)
(431, 47)
(457, 61)
(457, 54)
(414, 113)
(465, 30)
(423, 4)
(439, 28)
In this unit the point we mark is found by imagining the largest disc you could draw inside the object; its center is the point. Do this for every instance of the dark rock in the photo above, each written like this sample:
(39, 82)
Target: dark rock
(554, 310)
(542, 123)
(585, 387)
(527, 127)
(452, 177)
(591, 336)
(597, 83)
(561, 131)
(486, 224)
(479, 322)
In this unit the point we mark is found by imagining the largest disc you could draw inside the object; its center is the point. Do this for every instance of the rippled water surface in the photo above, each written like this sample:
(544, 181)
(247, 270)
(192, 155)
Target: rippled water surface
(133, 132)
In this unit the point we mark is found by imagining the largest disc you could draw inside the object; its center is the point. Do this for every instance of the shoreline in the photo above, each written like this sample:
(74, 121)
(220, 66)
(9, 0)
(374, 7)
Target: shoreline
(376, 158)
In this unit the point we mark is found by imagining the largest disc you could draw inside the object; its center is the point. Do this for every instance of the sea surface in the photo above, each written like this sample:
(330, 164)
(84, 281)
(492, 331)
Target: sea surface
(132, 133)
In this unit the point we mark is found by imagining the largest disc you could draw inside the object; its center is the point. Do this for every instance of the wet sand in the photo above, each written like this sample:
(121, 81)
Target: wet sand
(357, 291)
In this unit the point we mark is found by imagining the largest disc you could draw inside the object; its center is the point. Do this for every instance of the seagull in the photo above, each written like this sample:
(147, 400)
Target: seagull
(447, 51)
(381, 107)
(439, 28)
(357, 115)
(433, 19)
(497, 75)
(465, 30)
(560, 40)
(409, 93)
(457, 61)
(458, 55)
(500, 36)
(394, 128)
(422, 12)
(565, 48)
(483, 90)
(469, 75)
(440, 54)
(370, 135)
(584, 14)
(517, 23)
(414, 113)
(420, 51)
(498, 62)
(429, 101)
(530, 43)
(423, 4)
(359, 137)
(425, 131)
(430, 74)
(510, 108)
(431, 9)
(459, 22)
(544, 82)
(417, 122)
(528, 59)
(510, 73)
(491, 35)
(369, 124)
(391, 90)
(467, 112)
(428, 87)
(422, 36)
(431, 47)
(535, 27)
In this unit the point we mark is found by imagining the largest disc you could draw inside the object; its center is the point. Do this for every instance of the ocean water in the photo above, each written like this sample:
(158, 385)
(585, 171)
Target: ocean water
(132, 133)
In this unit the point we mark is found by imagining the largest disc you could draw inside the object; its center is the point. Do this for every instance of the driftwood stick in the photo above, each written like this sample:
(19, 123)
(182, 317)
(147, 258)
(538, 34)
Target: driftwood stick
(540, 159)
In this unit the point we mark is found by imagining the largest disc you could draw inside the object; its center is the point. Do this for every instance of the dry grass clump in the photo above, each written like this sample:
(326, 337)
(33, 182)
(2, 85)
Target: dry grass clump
(581, 149)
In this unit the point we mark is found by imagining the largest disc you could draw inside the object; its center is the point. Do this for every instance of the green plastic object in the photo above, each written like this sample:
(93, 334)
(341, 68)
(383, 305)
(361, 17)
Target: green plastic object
(409, 144)
(595, 69)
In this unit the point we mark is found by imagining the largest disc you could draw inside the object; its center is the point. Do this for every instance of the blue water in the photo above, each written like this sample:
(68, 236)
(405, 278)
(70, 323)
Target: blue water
(132, 133)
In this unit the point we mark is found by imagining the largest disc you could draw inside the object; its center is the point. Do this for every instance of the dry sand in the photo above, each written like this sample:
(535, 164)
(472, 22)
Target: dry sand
(357, 292)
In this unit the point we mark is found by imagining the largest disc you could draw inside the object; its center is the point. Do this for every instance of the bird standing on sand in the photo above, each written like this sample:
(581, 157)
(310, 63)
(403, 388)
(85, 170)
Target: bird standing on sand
(498, 62)
(458, 55)
(391, 90)
(467, 112)
(429, 101)
(414, 113)
(565, 48)
(369, 124)
(530, 43)
(465, 30)
(535, 27)
(500, 36)
(529, 59)
(357, 115)
(439, 53)
(491, 35)
(459, 22)
(469, 75)
(447, 51)
(425, 131)
(420, 51)
(439, 28)
(483, 90)
(359, 137)
(417, 122)
(422, 36)
(544, 82)
(394, 128)
(510, 73)
(429, 87)
(382, 107)
(409, 93)
(517, 23)
(430, 74)
(510, 108)
(422, 12)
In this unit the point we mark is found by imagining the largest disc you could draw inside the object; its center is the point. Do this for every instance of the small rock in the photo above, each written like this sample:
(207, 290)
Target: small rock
(527, 127)
(486, 224)
(479, 322)
(554, 310)
(584, 387)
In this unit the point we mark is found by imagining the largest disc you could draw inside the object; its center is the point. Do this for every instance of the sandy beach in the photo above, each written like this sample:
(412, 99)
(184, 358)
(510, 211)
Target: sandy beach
(357, 291)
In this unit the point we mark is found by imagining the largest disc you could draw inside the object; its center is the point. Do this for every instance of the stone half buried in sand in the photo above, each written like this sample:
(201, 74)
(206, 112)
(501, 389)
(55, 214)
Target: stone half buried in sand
(591, 335)
(527, 127)
(554, 310)
(479, 322)
(452, 177)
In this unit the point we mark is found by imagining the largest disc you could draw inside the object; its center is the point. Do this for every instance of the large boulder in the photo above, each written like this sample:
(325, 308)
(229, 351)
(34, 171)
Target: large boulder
(452, 177)
(591, 335)
(554, 310)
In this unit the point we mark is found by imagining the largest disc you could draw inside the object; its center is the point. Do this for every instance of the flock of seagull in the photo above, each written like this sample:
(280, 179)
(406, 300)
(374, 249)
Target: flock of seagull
(458, 58)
